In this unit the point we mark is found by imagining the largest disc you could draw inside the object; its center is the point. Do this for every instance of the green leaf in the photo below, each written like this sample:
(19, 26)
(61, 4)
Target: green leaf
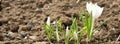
(57, 34)
(61, 25)
(49, 31)
(90, 27)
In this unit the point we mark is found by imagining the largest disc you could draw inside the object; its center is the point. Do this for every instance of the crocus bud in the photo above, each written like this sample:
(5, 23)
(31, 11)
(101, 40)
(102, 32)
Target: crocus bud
(67, 31)
(48, 21)
(75, 35)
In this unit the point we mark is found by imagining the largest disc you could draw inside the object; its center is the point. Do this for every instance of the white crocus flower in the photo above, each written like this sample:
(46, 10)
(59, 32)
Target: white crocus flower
(67, 31)
(94, 9)
(48, 21)
(75, 35)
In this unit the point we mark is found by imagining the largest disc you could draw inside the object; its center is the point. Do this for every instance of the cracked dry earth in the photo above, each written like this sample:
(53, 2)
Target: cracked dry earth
(21, 21)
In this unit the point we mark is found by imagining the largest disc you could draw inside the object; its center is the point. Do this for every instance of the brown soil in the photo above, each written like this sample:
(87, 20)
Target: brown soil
(21, 21)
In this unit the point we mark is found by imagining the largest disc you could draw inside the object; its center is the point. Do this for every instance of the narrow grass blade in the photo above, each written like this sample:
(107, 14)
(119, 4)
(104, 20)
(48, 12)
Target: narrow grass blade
(57, 34)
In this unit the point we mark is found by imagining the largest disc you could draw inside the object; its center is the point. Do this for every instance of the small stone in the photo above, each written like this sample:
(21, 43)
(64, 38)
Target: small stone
(23, 33)
(31, 23)
(3, 20)
(19, 37)
(33, 37)
(38, 10)
(40, 43)
(11, 35)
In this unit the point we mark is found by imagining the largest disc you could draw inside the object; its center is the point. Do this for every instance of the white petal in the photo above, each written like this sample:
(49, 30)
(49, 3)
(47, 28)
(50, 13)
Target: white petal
(48, 21)
(88, 6)
(97, 12)
(100, 11)
(95, 9)
(67, 31)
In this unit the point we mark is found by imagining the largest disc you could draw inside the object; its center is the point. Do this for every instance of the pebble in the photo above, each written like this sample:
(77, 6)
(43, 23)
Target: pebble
(3, 20)
(40, 43)
(33, 37)
(11, 35)
(23, 33)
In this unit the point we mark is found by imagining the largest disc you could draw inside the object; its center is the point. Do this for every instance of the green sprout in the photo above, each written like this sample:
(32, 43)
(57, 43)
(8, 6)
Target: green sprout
(57, 31)
(72, 34)
(87, 25)
(48, 29)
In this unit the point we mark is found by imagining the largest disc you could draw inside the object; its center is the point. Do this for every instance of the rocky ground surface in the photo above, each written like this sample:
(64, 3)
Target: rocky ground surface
(21, 21)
